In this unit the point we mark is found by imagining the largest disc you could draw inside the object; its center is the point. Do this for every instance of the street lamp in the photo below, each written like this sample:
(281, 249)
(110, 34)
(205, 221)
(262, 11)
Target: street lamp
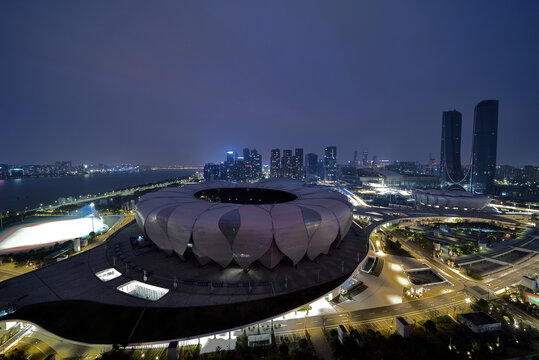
(92, 205)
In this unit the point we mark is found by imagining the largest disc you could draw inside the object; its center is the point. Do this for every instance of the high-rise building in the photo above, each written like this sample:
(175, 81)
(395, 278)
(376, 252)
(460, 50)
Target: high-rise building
(255, 165)
(299, 164)
(246, 152)
(450, 166)
(321, 169)
(240, 170)
(288, 164)
(231, 156)
(311, 167)
(365, 158)
(212, 172)
(507, 173)
(484, 147)
(275, 163)
(330, 163)
(531, 173)
(228, 172)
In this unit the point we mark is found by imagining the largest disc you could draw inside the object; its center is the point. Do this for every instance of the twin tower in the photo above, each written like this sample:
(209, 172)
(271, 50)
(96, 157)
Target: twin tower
(479, 177)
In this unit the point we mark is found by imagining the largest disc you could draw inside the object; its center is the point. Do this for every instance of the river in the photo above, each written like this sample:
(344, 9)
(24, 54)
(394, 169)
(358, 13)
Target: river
(18, 194)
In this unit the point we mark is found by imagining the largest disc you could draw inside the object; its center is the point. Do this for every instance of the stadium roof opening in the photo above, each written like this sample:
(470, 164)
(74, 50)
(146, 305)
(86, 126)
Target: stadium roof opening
(143, 290)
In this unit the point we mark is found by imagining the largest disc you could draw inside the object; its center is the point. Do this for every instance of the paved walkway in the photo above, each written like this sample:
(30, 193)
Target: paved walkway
(321, 346)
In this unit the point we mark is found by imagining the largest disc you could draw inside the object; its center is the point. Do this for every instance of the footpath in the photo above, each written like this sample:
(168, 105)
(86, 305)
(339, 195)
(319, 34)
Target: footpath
(321, 346)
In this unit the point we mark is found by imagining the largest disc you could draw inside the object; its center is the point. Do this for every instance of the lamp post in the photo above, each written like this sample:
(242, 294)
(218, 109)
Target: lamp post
(93, 209)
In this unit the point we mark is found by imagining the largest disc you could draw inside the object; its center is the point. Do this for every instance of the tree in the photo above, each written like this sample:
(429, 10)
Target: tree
(283, 350)
(431, 327)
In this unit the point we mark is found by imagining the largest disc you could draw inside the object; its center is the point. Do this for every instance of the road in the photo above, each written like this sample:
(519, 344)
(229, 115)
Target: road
(10, 270)
(419, 309)
(483, 289)
(514, 275)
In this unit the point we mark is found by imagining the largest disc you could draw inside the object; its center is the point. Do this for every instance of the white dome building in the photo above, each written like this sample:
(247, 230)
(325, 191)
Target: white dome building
(245, 222)
(451, 199)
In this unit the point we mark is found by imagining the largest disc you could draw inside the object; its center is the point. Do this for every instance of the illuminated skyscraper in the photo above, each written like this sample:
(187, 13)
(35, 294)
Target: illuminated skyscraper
(255, 162)
(330, 163)
(275, 163)
(450, 167)
(311, 167)
(212, 172)
(288, 164)
(299, 164)
(365, 158)
(485, 143)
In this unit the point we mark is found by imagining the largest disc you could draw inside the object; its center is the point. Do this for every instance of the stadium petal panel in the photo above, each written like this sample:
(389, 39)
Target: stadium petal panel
(225, 222)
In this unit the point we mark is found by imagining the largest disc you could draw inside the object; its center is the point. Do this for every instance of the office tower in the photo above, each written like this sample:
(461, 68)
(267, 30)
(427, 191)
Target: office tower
(211, 172)
(450, 167)
(330, 163)
(228, 171)
(288, 163)
(531, 173)
(255, 164)
(275, 163)
(299, 164)
(321, 169)
(374, 161)
(485, 141)
(354, 161)
(231, 156)
(246, 152)
(311, 167)
(365, 159)
(247, 163)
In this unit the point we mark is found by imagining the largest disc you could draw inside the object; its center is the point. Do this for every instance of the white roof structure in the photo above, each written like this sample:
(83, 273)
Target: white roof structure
(33, 236)
(451, 199)
(245, 222)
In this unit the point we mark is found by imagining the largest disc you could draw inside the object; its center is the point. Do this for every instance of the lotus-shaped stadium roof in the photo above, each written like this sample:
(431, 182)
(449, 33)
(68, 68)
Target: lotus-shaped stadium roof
(245, 222)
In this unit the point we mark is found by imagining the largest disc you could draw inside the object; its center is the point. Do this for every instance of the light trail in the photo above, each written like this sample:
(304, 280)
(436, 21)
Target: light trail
(354, 199)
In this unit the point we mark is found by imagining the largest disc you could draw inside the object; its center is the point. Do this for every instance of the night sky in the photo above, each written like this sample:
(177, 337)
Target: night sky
(182, 82)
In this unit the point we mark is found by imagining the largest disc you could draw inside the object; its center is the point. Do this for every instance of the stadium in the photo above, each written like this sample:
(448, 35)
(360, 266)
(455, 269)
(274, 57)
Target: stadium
(210, 256)
(242, 222)
(453, 199)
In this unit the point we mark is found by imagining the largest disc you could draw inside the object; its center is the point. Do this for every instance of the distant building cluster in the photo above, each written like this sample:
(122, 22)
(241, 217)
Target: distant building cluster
(236, 168)
(291, 164)
(61, 168)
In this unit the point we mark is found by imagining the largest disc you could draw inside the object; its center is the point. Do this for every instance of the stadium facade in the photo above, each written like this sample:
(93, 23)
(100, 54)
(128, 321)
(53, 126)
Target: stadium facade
(245, 222)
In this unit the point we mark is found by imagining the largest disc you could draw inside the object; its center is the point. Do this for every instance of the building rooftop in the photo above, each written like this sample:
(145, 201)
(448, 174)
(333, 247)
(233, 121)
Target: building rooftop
(479, 318)
(402, 320)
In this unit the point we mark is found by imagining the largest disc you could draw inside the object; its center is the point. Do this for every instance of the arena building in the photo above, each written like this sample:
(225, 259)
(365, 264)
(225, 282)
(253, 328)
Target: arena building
(199, 259)
(452, 199)
(245, 222)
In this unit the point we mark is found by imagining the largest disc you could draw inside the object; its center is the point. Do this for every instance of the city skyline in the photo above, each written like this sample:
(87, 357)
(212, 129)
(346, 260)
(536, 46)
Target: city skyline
(155, 93)
(269, 180)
